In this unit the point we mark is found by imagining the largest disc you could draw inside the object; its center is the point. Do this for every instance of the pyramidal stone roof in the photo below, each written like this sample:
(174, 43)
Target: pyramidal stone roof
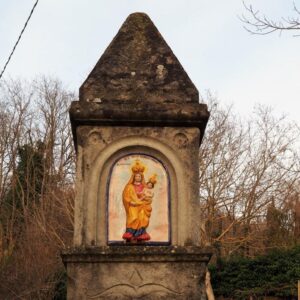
(138, 66)
(138, 82)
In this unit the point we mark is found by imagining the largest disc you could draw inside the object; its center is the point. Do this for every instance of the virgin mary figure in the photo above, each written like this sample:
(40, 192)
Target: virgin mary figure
(138, 208)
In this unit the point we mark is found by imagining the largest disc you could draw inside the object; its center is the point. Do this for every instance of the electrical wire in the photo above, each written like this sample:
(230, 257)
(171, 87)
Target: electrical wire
(19, 38)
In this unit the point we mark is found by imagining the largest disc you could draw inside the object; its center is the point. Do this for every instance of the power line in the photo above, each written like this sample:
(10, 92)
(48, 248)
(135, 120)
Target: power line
(19, 38)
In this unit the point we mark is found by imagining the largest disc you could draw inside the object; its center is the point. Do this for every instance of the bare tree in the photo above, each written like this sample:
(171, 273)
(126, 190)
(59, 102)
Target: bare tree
(244, 166)
(258, 23)
(15, 117)
(36, 185)
(54, 126)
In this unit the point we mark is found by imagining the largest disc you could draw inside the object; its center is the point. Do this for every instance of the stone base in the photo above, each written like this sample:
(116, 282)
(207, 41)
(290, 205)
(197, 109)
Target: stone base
(136, 272)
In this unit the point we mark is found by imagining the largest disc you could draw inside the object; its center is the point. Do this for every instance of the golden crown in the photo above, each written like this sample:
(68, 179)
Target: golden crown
(153, 179)
(138, 167)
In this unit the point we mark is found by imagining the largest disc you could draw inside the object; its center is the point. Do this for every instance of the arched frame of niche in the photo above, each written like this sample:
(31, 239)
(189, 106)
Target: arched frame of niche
(168, 195)
(95, 187)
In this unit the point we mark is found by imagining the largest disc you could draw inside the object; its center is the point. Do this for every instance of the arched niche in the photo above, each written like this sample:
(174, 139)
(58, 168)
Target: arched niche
(92, 228)
(138, 201)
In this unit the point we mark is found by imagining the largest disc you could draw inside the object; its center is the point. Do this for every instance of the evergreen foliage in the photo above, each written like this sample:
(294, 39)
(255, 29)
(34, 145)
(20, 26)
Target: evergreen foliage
(60, 290)
(275, 274)
(27, 180)
(25, 188)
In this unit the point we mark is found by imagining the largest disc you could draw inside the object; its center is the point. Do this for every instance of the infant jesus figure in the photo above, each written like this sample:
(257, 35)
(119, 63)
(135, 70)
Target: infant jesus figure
(146, 209)
(148, 192)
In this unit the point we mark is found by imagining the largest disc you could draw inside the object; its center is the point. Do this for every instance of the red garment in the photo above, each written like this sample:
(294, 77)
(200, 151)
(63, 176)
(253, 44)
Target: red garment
(139, 189)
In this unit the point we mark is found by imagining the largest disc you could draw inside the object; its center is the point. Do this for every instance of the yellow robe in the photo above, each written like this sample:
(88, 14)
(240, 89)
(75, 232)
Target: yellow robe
(137, 211)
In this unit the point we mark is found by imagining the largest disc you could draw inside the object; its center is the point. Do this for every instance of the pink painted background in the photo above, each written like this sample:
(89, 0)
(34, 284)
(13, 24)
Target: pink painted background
(159, 221)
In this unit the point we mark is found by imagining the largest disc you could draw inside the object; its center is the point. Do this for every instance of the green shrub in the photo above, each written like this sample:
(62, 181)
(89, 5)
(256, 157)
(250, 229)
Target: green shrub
(60, 291)
(275, 274)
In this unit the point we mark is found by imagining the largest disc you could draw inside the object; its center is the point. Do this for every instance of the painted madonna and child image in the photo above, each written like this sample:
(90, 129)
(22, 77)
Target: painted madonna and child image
(138, 201)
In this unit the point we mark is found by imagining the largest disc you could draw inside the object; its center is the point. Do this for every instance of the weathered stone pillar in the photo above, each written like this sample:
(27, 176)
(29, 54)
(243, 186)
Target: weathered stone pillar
(137, 129)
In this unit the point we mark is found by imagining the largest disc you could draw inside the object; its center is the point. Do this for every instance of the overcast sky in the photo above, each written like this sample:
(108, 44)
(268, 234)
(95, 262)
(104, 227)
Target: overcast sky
(65, 38)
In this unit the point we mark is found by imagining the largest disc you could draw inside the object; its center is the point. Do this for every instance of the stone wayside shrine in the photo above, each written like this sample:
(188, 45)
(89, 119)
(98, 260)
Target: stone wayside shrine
(137, 129)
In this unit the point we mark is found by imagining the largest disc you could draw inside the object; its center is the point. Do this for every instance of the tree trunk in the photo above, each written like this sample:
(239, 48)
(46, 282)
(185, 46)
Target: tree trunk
(208, 287)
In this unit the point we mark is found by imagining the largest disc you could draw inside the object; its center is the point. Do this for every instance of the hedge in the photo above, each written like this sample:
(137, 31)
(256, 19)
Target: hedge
(275, 274)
